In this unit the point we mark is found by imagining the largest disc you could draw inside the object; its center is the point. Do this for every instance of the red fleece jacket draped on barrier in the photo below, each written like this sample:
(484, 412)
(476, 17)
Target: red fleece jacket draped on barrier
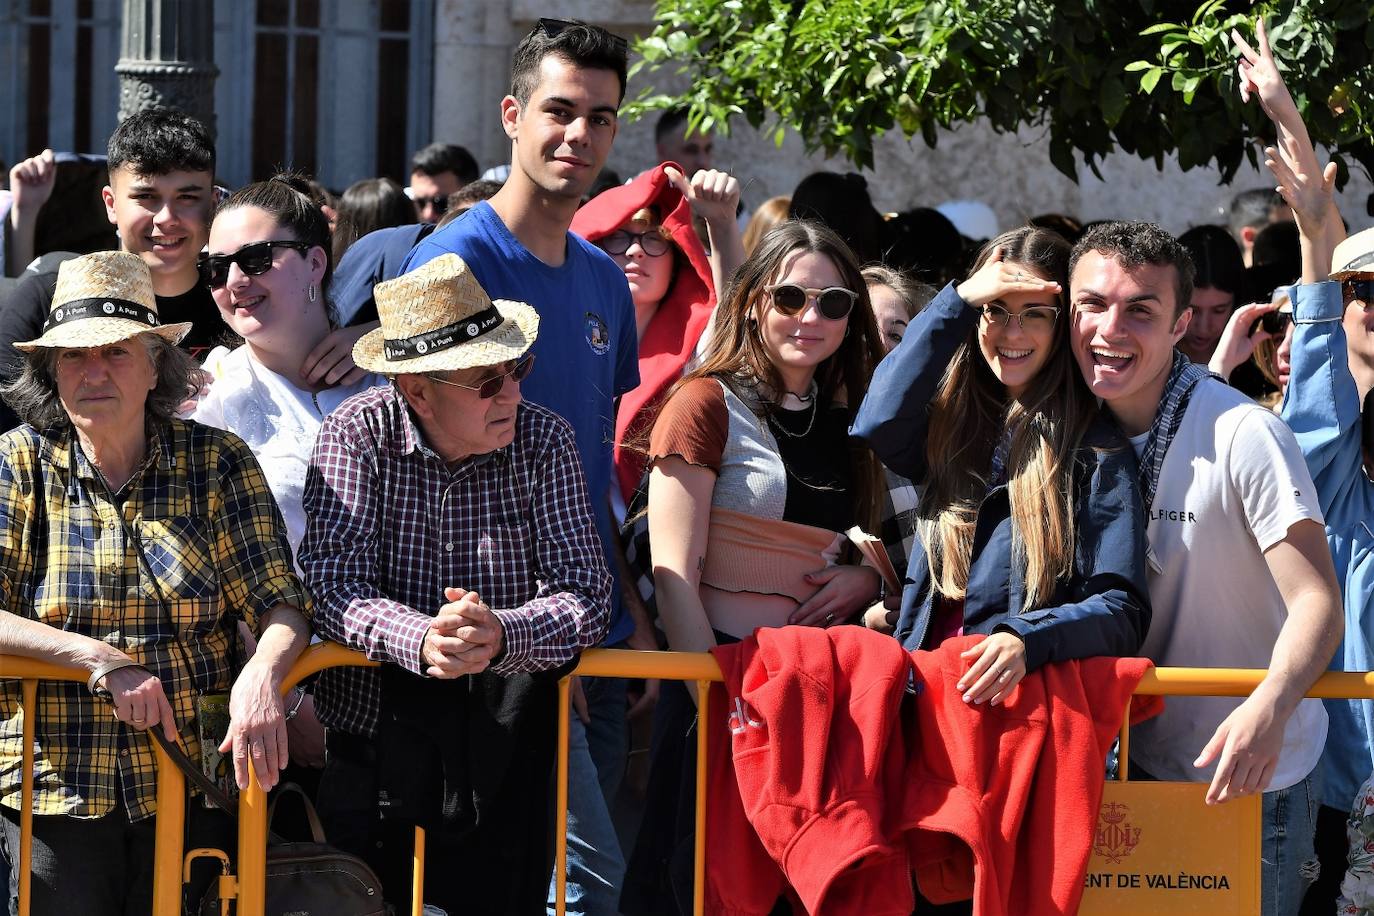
(831, 782)
(681, 318)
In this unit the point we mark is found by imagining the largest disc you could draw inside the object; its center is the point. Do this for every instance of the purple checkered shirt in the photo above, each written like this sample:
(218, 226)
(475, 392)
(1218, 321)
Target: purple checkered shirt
(390, 524)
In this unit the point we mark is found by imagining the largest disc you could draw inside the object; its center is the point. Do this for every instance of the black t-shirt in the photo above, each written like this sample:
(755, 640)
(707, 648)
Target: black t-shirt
(27, 308)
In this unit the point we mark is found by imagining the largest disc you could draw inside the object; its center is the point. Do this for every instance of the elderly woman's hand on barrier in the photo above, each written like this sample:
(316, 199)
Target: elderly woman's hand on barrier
(257, 726)
(139, 699)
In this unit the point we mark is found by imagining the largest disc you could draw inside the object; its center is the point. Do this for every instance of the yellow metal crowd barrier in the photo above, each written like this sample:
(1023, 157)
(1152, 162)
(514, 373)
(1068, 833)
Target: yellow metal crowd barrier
(680, 666)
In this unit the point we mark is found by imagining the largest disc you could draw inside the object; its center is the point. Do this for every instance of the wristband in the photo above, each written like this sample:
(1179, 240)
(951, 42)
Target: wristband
(92, 683)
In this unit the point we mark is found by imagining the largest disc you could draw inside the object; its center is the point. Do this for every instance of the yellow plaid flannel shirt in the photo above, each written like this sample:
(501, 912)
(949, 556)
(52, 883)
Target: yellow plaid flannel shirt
(211, 534)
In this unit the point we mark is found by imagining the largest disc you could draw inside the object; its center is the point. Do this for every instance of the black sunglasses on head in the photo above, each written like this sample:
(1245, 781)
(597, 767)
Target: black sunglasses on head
(254, 259)
(552, 28)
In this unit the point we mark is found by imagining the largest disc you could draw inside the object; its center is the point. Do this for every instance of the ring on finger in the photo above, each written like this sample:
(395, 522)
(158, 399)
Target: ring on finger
(830, 618)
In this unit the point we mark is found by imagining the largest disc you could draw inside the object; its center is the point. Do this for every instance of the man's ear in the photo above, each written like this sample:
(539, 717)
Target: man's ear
(418, 393)
(510, 116)
(107, 195)
(1184, 319)
(1247, 236)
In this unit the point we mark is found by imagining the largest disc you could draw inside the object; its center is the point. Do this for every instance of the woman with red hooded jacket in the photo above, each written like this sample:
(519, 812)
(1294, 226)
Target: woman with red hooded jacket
(647, 226)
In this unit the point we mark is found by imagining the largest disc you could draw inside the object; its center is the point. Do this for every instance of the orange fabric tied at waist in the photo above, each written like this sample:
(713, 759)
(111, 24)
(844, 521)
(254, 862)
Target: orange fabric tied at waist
(747, 553)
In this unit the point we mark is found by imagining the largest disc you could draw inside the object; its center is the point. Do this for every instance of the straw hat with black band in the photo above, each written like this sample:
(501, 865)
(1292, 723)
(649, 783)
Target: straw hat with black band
(1354, 256)
(100, 299)
(438, 318)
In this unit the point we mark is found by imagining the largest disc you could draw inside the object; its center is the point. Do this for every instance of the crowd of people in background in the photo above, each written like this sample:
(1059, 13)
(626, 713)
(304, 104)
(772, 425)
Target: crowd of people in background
(478, 424)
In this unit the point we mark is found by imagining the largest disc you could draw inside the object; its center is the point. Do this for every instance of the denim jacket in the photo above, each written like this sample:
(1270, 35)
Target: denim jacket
(1103, 607)
(1322, 407)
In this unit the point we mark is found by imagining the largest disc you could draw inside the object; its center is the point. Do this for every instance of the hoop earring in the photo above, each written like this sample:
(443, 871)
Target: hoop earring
(310, 291)
(846, 330)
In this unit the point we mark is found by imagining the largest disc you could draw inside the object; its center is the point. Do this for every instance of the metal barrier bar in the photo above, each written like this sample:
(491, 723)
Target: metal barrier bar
(252, 849)
(683, 666)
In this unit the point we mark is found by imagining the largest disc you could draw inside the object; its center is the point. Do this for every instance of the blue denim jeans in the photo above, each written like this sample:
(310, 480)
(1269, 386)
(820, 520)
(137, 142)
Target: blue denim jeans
(1288, 863)
(596, 766)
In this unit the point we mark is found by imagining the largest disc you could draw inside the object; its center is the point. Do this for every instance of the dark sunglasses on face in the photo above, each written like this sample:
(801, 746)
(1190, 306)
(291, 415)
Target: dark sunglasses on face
(1362, 290)
(1275, 323)
(834, 302)
(619, 242)
(553, 27)
(254, 259)
(490, 387)
(438, 201)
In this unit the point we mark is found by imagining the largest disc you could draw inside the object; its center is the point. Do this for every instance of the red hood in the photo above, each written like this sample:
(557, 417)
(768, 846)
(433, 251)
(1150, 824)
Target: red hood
(676, 327)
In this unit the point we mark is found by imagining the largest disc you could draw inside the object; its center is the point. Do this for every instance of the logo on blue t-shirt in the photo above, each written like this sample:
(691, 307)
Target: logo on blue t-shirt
(598, 337)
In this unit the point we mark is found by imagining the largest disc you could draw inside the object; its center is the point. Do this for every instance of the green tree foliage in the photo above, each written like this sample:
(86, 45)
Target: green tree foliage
(1149, 78)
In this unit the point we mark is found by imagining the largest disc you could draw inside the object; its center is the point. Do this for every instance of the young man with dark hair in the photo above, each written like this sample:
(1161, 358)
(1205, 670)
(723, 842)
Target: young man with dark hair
(160, 199)
(436, 172)
(1250, 212)
(567, 83)
(1240, 573)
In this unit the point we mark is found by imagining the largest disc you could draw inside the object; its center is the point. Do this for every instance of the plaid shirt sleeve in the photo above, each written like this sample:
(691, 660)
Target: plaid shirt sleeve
(340, 556)
(254, 557)
(17, 500)
(571, 609)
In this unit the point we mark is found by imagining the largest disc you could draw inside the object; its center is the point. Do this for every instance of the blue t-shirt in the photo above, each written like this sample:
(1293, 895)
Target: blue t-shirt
(586, 354)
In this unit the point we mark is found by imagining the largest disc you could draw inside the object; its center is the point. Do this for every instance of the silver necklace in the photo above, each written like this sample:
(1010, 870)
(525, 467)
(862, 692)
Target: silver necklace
(778, 427)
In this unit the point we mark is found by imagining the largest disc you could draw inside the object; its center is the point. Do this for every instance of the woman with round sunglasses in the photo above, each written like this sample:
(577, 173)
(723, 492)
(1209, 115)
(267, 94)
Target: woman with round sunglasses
(752, 481)
(1029, 516)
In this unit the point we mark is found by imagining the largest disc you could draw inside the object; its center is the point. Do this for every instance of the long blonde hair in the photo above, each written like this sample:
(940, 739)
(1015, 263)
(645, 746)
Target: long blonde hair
(968, 418)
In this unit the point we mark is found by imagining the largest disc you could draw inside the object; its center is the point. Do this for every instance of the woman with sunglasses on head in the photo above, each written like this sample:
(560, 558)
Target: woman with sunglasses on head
(268, 267)
(752, 480)
(981, 407)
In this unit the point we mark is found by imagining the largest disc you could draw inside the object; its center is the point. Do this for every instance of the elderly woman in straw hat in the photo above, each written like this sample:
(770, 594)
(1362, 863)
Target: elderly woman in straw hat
(449, 535)
(130, 544)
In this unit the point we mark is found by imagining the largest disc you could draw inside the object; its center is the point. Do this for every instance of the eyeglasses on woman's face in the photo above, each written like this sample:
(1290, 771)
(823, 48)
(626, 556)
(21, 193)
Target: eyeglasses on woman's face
(254, 259)
(1035, 319)
(619, 242)
(834, 302)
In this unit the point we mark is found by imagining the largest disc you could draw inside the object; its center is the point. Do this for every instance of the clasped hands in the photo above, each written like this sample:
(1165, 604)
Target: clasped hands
(464, 637)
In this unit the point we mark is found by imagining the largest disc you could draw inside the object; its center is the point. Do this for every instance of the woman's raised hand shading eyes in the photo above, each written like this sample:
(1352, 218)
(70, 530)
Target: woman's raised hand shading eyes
(998, 278)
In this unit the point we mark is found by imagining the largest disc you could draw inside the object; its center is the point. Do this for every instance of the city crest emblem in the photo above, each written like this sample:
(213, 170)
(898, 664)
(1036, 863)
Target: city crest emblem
(1115, 838)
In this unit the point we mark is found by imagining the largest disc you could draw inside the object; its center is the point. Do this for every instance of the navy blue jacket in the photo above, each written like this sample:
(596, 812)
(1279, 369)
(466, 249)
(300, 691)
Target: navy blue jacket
(1103, 608)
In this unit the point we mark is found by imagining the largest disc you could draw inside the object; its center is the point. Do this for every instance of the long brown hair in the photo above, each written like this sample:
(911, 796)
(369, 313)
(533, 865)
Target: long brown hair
(968, 418)
(736, 347)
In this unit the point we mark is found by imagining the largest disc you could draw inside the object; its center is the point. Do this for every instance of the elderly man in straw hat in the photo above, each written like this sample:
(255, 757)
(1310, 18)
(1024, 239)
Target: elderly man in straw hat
(131, 543)
(449, 535)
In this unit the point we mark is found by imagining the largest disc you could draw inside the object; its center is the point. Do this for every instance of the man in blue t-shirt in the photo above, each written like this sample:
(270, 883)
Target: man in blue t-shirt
(567, 83)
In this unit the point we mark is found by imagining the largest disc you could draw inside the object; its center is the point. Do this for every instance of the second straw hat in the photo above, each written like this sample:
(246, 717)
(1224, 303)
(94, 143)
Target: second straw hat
(103, 298)
(438, 317)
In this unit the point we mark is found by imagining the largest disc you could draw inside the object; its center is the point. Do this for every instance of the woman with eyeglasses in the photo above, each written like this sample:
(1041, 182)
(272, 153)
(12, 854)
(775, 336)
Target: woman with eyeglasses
(752, 481)
(1031, 523)
(646, 227)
